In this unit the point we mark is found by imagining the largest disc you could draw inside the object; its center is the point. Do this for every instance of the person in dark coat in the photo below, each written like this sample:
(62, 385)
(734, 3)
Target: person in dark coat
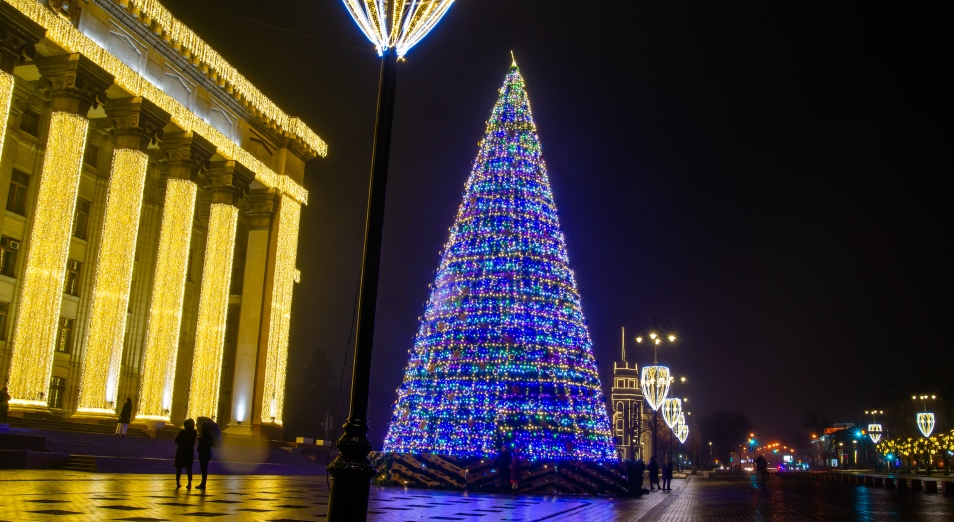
(636, 477)
(653, 473)
(503, 467)
(124, 416)
(185, 443)
(4, 405)
(206, 441)
(667, 476)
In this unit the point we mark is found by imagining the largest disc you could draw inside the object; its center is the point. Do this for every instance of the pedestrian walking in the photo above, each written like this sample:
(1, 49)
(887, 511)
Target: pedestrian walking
(761, 466)
(502, 464)
(667, 476)
(515, 464)
(209, 437)
(653, 473)
(4, 405)
(185, 451)
(124, 416)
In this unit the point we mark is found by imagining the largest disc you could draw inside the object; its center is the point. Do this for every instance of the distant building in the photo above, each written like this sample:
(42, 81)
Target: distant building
(149, 242)
(629, 419)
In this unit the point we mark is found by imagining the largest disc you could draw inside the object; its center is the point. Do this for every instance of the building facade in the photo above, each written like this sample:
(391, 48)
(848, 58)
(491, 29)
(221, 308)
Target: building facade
(631, 425)
(149, 241)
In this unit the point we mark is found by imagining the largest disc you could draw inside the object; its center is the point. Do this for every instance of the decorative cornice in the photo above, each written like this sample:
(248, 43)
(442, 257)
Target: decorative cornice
(76, 83)
(18, 35)
(228, 181)
(136, 120)
(187, 152)
(260, 206)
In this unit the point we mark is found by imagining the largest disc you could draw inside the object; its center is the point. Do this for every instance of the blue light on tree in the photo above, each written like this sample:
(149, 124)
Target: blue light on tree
(502, 355)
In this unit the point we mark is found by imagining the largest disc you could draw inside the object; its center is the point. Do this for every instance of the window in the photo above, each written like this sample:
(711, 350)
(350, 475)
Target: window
(30, 122)
(4, 309)
(57, 392)
(8, 256)
(81, 222)
(91, 155)
(16, 198)
(71, 283)
(64, 336)
(619, 383)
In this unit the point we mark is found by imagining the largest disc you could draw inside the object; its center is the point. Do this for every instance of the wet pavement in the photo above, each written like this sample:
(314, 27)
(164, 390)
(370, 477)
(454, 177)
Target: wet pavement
(59, 495)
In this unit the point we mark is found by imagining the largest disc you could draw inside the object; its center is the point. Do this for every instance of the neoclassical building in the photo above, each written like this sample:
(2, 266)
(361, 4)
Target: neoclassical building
(153, 197)
(631, 424)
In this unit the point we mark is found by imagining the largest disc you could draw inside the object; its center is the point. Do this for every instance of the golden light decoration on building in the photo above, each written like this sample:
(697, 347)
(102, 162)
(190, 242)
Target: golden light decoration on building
(407, 24)
(273, 396)
(926, 423)
(6, 96)
(34, 335)
(654, 380)
(62, 32)
(874, 431)
(165, 313)
(213, 311)
(671, 409)
(99, 379)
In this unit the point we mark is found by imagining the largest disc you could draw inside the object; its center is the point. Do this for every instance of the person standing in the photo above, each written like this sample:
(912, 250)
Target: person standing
(761, 466)
(640, 471)
(185, 452)
(124, 416)
(667, 476)
(515, 473)
(206, 441)
(502, 465)
(653, 473)
(4, 405)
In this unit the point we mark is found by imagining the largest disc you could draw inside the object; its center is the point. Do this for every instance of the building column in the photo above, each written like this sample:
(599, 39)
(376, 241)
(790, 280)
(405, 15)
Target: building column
(18, 35)
(136, 122)
(187, 152)
(229, 181)
(75, 84)
(281, 277)
(260, 207)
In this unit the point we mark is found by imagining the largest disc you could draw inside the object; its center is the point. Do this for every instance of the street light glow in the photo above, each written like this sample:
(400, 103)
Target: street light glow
(410, 21)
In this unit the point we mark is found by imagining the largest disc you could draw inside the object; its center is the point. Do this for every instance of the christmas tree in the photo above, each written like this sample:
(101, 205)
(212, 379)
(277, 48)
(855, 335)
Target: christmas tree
(503, 356)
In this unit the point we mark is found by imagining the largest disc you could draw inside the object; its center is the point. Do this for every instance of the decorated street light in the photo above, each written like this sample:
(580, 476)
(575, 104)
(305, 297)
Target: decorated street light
(926, 423)
(655, 378)
(672, 409)
(394, 27)
(874, 429)
(925, 420)
(682, 432)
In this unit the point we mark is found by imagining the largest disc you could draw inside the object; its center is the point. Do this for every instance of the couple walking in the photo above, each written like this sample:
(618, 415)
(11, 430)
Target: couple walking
(207, 438)
(654, 475)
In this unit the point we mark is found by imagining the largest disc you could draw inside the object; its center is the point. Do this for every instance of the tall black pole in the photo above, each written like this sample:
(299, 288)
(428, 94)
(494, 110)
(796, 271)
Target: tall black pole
(654, 434)
(351, 471)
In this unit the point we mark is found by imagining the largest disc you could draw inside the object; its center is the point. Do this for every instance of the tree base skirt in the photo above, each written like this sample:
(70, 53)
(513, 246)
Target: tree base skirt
(432, 471)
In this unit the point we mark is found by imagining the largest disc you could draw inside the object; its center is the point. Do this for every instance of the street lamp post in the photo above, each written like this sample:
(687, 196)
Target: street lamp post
(351, 471)
(655, 379)
(925, 420)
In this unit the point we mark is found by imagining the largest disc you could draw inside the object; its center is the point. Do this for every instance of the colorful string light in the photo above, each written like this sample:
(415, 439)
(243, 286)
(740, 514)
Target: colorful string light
(502, 355)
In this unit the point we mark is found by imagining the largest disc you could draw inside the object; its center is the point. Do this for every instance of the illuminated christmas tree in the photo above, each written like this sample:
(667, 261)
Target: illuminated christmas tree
(503, 355)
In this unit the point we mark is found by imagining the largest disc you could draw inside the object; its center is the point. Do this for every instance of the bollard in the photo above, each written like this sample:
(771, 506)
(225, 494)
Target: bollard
(930, 486)
(916, 483)
(947, 487)
(902, 483)
(889, 482)
(877, 481)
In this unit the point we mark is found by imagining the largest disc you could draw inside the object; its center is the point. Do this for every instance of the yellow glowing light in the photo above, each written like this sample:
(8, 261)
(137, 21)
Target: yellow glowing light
(34, 335)
(62, 32)
(639, 339)
(273, 396)
(406, 25)
(165, 313)
(6, 95)
(213, 310)
(652, 336)
(99, 380)
(672, 338)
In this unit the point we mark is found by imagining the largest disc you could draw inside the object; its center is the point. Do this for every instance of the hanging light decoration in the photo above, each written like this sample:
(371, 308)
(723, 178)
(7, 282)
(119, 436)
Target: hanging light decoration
(655, 381)
(407, 23)
(926, 423)
(671, 410)
(682, 432)
(874, 431)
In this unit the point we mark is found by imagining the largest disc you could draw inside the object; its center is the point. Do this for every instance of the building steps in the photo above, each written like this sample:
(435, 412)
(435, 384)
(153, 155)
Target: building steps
(85, 463)
(64, 425)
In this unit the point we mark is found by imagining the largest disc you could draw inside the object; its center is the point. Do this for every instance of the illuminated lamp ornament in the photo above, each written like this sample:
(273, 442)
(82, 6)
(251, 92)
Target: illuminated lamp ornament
(410, 21)
(502, 355)
(926, 423)
(874, 431)
(671, 410)
(682, 432)
(655, 381)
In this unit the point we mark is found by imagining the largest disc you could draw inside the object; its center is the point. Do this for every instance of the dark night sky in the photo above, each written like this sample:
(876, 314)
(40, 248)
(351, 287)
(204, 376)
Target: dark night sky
(763, 174)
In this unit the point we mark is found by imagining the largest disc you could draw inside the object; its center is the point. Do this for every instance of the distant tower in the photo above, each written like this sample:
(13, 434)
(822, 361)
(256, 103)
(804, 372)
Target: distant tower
(627, 399)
